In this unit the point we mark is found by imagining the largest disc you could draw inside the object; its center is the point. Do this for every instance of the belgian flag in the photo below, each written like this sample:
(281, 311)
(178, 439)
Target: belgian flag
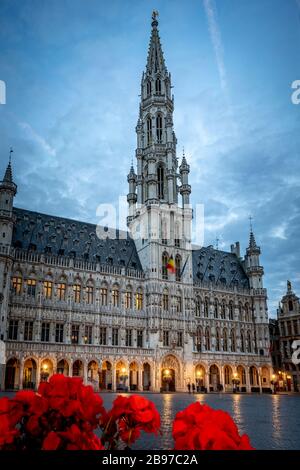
(171, 265)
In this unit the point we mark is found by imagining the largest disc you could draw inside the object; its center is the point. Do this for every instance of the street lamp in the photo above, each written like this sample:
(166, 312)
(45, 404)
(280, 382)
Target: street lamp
(167, 378)
(235, 382)
(273, 382)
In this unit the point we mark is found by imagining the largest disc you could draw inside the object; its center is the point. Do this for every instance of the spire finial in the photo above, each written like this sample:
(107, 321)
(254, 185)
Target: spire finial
(217, 243)
(155, 14)
(10, 152)
(289, 287)
(250, 220)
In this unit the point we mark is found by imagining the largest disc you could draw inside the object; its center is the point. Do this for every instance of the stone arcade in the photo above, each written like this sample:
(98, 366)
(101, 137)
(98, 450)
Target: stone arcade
(108, 309)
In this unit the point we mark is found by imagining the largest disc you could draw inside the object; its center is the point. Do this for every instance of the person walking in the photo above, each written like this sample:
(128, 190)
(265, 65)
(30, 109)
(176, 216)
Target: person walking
(193, 387)
(189, 387)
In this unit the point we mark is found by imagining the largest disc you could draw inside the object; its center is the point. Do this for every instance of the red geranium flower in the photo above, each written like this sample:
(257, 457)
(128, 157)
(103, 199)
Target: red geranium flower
(200, 427)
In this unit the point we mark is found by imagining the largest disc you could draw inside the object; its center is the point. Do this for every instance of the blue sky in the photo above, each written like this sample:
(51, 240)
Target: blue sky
(72, 70)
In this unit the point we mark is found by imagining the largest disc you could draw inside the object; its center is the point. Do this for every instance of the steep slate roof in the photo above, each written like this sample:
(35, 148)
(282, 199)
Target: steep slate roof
(218, 267)
(49, 234)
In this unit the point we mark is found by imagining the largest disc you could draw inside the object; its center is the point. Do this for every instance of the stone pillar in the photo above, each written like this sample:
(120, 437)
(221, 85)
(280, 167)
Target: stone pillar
(2, 365)
(21, 374)
(248, 386)
(38, 373)
(85, 373)
(140, 379)
(222, 379)
(114, 378)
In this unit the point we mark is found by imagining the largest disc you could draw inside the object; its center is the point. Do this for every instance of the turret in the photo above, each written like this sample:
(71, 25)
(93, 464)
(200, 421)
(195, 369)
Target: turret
(185, 188)
(8, 190)
(131, 196)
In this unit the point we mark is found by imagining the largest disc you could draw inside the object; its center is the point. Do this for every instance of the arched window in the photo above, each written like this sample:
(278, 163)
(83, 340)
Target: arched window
(290, 305)
(225, 340)
(207, 339)
(198, 345)
(223, 310)
(227, 375)
(247, 312)
(216, 308)
(242, 342)
(164, 262)
(178, 267)
(165, 300)
(139, 299)
(218, 340)
(128, 297)
(115, 296)
(198, 307)
(249, 341)
(17, 284)
(241, 312)
(149, 88)
(231, 310)
(90, 292)
(158, 86)
(77, 291)
(160, 180)
(232, 339)
(159, 128)
(206, 307)
(149, 130)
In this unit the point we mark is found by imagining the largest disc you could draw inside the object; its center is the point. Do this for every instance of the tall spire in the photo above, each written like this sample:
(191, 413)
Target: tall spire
(155, 61)
(252, 242)
(8, 172)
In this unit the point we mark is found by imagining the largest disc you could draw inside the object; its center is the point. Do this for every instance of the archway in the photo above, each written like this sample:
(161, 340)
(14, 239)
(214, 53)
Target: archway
(214, 379)
(29, 374)
(228, 376)
(46, 370)
(254, 381)
(170, 373)
(63, 367)
(77, 369)
(133, 376)
(146, 376)
(241, 376)
(105, 376)
(265, 378)
(12, 374)
(93, 376)
(121, 376)
(200, 378)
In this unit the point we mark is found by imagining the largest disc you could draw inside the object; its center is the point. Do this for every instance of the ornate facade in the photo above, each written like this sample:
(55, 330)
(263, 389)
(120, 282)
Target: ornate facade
(108, 309)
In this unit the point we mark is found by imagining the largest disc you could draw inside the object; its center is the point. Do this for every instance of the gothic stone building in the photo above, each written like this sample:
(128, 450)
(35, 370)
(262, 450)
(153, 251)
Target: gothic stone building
(108, 309)
(288, 315)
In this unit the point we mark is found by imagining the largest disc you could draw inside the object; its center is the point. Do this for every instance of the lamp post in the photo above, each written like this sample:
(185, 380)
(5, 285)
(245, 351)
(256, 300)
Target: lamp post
(167, 378)
(235, 382)
(199, 376)
(273, 383)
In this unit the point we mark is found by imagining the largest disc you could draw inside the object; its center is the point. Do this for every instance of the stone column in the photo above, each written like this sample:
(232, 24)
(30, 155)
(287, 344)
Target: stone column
(248, 386)
(21, 374)
(38, 374)
(85, 373)
(114, 378)
(140, 379)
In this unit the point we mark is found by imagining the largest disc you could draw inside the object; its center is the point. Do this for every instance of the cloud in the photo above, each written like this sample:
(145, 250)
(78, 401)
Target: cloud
(38, 139)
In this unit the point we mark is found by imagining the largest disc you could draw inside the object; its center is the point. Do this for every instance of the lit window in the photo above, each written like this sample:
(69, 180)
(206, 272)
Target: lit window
(61, 291)
(89, 294)
(48, 287)
(103, 295)
(139, 300)
(75, 334)
(17, 285)
(77, 293)
(31, 287)
(128, 299)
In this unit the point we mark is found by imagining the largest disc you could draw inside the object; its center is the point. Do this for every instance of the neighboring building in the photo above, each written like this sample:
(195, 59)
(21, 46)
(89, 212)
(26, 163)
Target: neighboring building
(275, 345)
(110, 310)
(288, 315)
